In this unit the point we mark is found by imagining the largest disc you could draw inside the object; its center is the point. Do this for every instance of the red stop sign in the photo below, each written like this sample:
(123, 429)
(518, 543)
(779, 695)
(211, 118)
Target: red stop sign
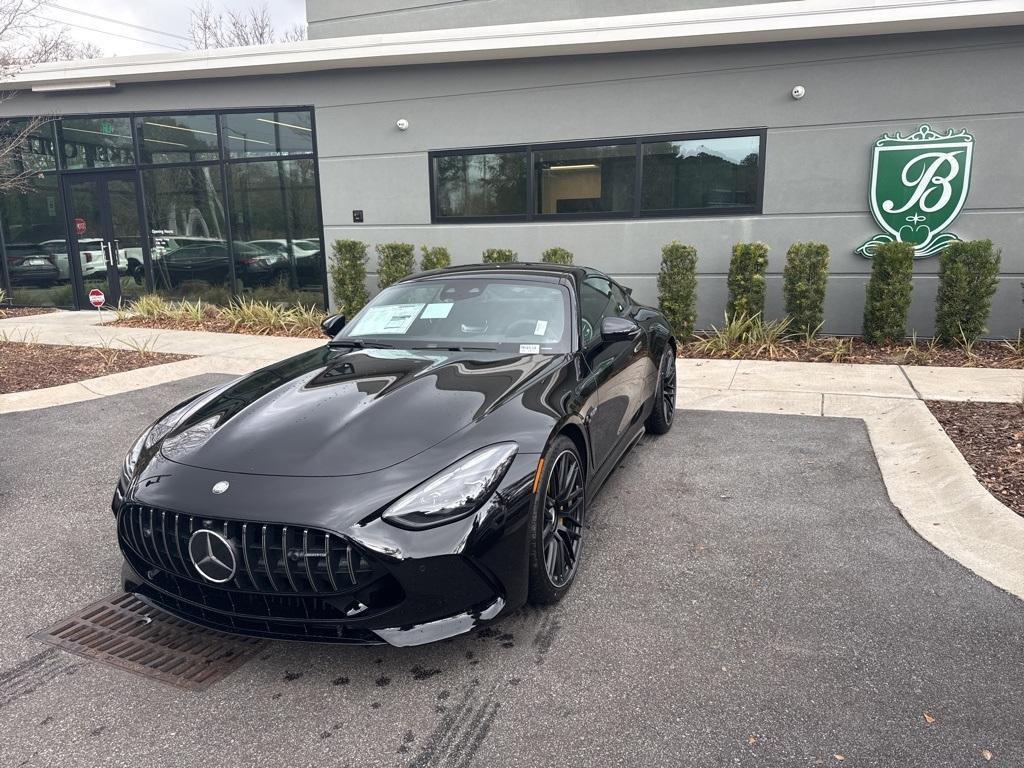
(96, 298)
(79, 227)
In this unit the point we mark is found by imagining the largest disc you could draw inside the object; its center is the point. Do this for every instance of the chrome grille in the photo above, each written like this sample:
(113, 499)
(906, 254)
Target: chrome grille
(270, 558)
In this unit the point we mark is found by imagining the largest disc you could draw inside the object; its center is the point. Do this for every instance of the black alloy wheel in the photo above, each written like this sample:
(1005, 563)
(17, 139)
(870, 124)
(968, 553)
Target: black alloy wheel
(664, 410)
(557, 536)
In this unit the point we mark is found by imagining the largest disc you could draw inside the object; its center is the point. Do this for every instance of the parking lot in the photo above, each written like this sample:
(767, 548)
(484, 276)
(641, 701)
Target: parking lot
(749, 596)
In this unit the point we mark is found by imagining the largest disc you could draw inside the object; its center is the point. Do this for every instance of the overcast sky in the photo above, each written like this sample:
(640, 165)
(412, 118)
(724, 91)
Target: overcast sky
(165, 16)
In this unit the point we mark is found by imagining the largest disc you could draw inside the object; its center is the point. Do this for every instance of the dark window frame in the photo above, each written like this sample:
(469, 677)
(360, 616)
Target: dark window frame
(636, 213)
(62, 172)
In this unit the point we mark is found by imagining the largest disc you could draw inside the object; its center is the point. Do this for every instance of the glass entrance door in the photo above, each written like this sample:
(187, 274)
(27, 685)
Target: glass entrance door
(106, 236)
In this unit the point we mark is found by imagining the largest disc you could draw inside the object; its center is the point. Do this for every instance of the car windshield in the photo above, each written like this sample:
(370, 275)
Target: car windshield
(501, 314)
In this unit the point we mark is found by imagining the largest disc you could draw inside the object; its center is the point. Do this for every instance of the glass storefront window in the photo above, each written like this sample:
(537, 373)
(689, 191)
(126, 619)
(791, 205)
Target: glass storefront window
(188, 238)
(178, 138)
(97, 142)
(585, 179)
(35, 244)
(258, 134)
(277, 232)
(27, 146)
(490, 184)
(700, 173)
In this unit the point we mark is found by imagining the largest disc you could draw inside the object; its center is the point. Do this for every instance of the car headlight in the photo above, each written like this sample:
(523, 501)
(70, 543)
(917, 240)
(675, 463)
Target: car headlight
(153, 435)
(455, 492)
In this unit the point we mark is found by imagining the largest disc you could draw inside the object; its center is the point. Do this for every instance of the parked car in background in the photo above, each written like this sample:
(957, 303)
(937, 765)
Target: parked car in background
(91, 256)
(28, 265)
(208, 262)
(306, 254)
(135, 263)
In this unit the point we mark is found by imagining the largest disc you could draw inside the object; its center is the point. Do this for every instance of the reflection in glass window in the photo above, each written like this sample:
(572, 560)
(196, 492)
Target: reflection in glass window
(255, 134)
(35, 244)
(27, 146)
(97, 142)
(178, 138)
(480, 185)
(274, 216)
(188, 240)
(585, 179)
(700, 173)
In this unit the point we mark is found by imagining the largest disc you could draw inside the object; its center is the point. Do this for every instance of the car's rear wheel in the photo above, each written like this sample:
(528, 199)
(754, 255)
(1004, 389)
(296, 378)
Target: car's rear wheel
(664, 410)
(556, 539)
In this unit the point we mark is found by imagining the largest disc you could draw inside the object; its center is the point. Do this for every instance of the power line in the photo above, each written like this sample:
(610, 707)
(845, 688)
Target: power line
(106, 32)
(118, 21)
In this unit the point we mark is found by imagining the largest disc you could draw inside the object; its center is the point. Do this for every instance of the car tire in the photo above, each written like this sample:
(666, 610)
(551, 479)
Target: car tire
(664, 407)
(558, 514)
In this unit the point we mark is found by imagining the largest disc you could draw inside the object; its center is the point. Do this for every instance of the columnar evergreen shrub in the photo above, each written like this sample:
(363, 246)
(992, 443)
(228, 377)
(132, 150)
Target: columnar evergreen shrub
(677, 288)
(348, 275)
(434, 258)
(968, 275)
(803, 286)
(500, 256)
(887, 299)
(746, 279)
(394, 261)
(556, 255)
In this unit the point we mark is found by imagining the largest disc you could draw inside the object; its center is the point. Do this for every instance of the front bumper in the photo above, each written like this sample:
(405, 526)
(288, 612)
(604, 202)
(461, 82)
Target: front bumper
(378, 583)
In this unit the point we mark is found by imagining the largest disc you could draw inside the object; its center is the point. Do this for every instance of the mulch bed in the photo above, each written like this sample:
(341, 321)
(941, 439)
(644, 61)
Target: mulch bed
(991, 438)
(213, 324)
(7, 312)
(985, 354)
(36, 366)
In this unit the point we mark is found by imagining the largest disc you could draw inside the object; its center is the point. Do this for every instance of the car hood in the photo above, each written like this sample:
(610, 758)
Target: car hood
(334, 412)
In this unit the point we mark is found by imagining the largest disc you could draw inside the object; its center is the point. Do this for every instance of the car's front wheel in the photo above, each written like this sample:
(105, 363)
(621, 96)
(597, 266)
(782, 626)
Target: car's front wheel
(664, 410)
(556, 539)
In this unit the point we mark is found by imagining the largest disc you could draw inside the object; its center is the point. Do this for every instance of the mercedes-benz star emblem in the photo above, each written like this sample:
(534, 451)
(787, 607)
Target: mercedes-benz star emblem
(212, 555)
(220, 487)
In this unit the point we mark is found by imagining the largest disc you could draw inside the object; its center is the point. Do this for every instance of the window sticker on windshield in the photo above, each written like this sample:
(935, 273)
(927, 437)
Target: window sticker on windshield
(542, 326)
(436, 311)
(529, 349)
(391, 318)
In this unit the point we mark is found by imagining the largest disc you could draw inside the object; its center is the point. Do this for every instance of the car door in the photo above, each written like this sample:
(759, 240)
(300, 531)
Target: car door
(616, 366)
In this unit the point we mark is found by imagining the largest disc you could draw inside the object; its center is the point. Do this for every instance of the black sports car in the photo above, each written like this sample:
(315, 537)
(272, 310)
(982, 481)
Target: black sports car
(425, 471)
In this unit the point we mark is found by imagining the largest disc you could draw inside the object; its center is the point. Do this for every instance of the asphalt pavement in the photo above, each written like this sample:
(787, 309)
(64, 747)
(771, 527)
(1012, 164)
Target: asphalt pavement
(748, 597)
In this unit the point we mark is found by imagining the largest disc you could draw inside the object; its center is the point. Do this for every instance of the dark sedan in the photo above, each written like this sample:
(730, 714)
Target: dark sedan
(29, 264)
(427, 470)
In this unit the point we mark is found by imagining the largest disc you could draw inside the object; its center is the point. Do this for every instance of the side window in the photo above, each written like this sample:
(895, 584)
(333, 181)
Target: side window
(620, 301)
(596, 302)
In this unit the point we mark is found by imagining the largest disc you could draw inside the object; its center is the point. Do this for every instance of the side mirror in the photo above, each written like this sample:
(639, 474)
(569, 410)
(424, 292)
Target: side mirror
(332, 324)
(614, 328)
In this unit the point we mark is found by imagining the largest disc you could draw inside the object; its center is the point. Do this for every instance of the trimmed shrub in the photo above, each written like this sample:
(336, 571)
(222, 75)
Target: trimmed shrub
(746, 279)
(677, 288)
(434, 258)
(887, 299)
(394, 261)
(500, 256)
(968, 276)
(556, 255)
(803, 284)
(348, 275)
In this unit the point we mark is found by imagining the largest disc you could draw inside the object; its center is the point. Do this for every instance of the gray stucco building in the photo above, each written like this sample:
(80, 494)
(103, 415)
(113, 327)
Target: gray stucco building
(608, 128)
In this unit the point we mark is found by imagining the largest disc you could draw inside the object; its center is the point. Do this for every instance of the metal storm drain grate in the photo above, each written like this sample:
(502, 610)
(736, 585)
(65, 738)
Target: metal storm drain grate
(125, 632)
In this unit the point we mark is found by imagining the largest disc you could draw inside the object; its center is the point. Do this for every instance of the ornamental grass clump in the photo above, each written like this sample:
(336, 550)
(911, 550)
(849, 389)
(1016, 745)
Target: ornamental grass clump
(394, 261)
(887, 299)
(968, 276)
(746, 279)
(677, 288)
(556, 255)
(434, 258)
(803, 285)
(500, 256)
(348, 275)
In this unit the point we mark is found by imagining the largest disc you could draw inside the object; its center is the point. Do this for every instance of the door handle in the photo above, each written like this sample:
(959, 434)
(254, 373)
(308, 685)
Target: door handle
(110, 253)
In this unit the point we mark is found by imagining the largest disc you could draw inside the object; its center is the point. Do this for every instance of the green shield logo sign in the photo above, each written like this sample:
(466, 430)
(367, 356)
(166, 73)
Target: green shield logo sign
(918, 187)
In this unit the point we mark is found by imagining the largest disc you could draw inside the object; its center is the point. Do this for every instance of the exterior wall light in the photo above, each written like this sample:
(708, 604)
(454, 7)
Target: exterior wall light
(798, 92)
(402, 124)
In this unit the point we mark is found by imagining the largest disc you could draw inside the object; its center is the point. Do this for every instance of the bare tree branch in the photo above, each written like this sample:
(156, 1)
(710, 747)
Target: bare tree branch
(210, 28)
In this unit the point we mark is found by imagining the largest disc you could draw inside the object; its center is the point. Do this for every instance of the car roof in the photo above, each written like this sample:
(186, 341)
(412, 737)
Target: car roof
(511, 269)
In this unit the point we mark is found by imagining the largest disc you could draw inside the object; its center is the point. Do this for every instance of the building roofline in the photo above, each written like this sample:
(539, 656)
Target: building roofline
(733, 25)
